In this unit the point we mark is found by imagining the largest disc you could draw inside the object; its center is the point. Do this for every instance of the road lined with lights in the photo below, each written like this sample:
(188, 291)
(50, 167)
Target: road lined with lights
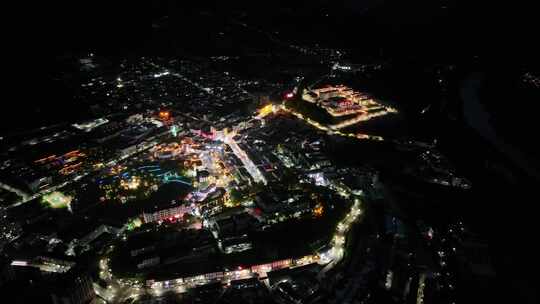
(331, 258)
(339, 239)
(421, 287)
(357, 119)
(329, 130)
(260, 271)
(119, 290)
(258, 177)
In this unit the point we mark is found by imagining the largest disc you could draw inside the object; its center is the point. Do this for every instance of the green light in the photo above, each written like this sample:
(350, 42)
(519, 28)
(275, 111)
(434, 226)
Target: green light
(174, 130)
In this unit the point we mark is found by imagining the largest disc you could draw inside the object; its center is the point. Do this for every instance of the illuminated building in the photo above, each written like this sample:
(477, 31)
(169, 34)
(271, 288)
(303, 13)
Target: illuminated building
(213, 202)
(341, 100)
(36, 183)
(318, 210)
(164, 115)
(66, 164)
(45, 264)
(318, 178)
(167, 214)
(203, 176)
(131, 184)
(237, 244)
(89, 126)
(168, 151)
(259, 271)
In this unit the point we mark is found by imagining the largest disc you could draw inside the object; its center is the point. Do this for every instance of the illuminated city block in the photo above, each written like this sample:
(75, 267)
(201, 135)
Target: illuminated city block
(57, 200)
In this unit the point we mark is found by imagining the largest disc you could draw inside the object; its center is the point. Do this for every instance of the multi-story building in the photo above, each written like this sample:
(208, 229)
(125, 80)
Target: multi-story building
(166, 214)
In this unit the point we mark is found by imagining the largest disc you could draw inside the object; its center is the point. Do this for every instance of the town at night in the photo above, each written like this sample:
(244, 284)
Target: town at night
(356, 152)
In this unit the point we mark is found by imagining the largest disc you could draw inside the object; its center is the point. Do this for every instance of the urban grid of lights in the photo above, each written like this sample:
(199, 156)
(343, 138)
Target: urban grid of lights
(122, 289)
(133, 288)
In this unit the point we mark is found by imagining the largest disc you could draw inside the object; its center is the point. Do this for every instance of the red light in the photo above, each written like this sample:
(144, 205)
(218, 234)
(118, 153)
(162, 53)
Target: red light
(240, 268)
(177, 216)
(289, 95)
